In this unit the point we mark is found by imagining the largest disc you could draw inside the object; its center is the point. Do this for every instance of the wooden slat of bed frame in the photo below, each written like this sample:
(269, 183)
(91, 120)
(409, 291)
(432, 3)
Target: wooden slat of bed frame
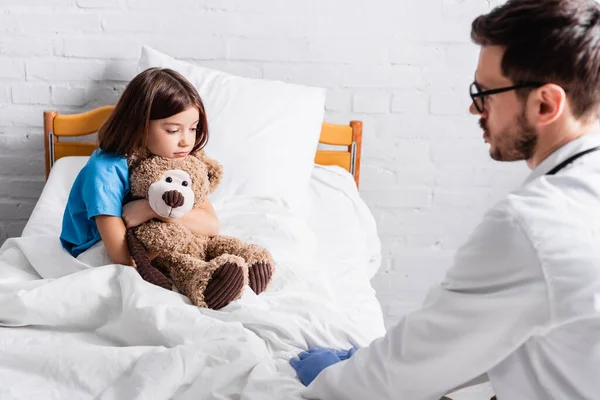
(340, 135)
(327, 157)
(81, 124)
(72, 125)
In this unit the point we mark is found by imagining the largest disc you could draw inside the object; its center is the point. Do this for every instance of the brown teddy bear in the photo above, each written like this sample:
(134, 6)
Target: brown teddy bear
(210, 271)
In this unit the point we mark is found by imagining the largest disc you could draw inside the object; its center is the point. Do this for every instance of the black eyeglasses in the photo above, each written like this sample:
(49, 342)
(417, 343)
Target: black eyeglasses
(478, 95)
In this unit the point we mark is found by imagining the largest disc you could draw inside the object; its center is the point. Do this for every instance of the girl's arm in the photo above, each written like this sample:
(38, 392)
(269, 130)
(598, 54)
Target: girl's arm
(112, 230)
(202, 220)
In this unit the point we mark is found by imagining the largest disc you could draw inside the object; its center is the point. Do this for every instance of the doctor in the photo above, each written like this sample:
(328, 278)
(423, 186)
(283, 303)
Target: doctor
(521, 302)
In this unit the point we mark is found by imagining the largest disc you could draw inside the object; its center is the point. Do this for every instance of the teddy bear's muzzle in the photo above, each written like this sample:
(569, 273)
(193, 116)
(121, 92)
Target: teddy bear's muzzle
(173, 198)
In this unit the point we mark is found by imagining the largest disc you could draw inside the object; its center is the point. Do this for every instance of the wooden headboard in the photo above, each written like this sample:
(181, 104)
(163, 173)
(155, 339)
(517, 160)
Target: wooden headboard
(57, 126)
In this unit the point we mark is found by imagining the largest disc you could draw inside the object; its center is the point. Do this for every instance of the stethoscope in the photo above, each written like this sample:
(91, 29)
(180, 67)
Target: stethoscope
(571, 159)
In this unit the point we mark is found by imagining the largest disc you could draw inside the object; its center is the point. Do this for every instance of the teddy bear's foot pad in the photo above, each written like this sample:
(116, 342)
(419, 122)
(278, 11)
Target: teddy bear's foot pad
(259, 275)
(225, 286)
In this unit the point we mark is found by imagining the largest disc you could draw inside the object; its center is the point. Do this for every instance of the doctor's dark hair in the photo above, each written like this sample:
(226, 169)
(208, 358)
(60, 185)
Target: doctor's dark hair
(548, 41)
(155, 93)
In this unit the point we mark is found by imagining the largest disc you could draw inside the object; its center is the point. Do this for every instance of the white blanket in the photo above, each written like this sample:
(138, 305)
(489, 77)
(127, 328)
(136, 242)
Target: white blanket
(75, 330)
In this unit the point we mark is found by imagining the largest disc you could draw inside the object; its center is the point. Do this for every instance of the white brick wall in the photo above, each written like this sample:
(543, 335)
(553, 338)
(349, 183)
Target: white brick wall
(401, 66)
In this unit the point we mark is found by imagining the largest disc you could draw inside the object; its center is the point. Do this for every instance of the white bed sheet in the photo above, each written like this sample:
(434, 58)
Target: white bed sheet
(75, 330)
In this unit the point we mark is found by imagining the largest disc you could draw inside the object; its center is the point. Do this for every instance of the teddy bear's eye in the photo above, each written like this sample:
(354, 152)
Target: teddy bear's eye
(184, 183)
(169, 179)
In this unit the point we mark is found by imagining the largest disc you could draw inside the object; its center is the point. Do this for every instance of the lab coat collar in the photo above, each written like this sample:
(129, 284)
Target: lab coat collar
(562, 153)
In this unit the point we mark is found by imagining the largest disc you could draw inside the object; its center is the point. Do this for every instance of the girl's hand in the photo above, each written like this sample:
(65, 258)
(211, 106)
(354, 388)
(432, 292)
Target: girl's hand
(137, 212)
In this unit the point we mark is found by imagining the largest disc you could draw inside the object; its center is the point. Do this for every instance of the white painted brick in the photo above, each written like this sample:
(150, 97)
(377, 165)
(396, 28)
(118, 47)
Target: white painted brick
(100, 96)
(31, 94)
(305, 74)
(446, 31)
(71, 22)
(27, 115)
(423, 240)
(375, 102)
(348, 52)
(396, 126)
(464, 9)
(405, 198)
(417, 54)
(465, 126)
(15, 229)
(461, 198)
(444, 77)
(410, 102)
(68, 96)
(4, 93)
(412, 153)
(191, 47)
(338, 100)
(102, 48)
(244, 69)
(419, 174)
(404, 152)
(420, 269)
(131, 22)
(16, 209)
(46, 3)
(285, 25)
(374, 178)
(159, 5)
(454, 176)
(494, 177)
(460, 152)
(390, 245)
(98, 3)
(8, 22)
(11, 69)
(381, 284)
(22, 165)
(21, 143)
(13, 46)
(400, 76)
(79, 70)
(450, 103)
(294, 50)
(26, 188)
(463, 56)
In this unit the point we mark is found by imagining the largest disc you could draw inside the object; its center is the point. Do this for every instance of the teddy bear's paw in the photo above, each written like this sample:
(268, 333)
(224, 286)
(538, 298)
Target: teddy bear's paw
(226, 285)
(259, 275)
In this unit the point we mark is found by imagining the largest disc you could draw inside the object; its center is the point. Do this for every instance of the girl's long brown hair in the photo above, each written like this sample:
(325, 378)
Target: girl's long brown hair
(155, 93)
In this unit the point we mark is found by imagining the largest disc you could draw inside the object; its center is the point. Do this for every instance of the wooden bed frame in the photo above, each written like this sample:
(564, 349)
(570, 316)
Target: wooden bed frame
(57, 126)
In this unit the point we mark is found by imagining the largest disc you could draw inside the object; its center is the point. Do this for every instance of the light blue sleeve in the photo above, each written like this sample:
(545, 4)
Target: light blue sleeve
(103, 192)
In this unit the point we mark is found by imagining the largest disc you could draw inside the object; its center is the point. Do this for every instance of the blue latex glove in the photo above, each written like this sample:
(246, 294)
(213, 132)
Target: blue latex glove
(310, 363)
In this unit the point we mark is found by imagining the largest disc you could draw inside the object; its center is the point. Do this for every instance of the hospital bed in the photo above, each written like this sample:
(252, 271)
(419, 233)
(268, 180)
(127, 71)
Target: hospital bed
(85, 329)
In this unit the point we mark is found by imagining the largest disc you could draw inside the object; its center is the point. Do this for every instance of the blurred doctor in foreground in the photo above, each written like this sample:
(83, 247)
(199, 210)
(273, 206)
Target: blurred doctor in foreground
(521, 303)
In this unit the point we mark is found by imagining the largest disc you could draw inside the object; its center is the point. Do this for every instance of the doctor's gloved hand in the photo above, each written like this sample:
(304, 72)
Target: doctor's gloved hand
(310, 363)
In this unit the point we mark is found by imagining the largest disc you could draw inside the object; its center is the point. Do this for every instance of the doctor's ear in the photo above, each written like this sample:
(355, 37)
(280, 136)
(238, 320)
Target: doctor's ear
(549, 103)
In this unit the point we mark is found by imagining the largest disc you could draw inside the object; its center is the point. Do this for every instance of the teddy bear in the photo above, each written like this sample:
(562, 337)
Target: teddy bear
(210, 271)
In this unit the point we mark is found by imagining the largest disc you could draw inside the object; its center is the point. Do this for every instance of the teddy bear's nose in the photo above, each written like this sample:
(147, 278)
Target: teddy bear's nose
(173, 198)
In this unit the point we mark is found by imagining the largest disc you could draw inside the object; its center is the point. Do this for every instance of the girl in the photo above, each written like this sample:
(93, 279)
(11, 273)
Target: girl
(159, 112)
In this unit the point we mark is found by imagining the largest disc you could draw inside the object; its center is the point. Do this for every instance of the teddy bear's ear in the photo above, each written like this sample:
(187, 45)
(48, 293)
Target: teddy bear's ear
(136, 157)
(214, 169)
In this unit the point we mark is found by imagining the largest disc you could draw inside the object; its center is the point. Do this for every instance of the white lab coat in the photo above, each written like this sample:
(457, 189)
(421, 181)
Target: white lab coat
(521, 303)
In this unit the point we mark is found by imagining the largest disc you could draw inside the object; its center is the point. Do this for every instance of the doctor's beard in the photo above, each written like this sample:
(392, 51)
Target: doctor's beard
(515, 143)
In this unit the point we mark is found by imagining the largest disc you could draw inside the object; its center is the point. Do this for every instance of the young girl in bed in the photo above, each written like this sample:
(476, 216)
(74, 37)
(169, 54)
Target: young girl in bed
(160, 112)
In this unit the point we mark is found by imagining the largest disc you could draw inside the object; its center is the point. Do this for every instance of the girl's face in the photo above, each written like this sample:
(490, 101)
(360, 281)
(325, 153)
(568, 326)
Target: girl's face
(173, 137)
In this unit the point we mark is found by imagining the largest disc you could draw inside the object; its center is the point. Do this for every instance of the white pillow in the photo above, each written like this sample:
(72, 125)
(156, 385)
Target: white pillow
(264, 133)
